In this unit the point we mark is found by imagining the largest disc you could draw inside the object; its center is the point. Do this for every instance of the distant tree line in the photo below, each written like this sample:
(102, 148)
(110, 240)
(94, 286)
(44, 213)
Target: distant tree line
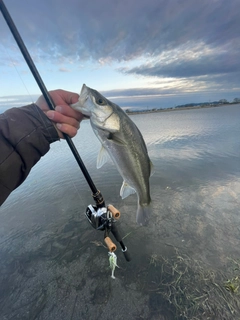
(213, 103)
(188, 105)
(235, 100)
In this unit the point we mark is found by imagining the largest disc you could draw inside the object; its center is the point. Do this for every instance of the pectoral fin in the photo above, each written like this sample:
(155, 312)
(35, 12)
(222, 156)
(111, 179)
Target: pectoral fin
(102, 158)
(126, 190)
(151, 168)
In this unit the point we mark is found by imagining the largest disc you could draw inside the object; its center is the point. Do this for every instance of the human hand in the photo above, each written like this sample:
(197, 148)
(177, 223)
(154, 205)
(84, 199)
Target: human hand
(67, 120)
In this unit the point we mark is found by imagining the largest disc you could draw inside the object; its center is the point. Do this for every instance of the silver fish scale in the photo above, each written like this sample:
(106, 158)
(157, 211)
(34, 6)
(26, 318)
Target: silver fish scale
(128, 151)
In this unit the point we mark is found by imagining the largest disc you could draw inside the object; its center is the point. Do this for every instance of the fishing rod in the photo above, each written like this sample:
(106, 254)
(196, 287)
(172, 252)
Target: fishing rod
(100, 217)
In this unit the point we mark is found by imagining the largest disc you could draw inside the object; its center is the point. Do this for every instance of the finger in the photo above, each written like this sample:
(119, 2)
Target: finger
(69, 112)
(68, 96)
(66, 128)
(59, 97)
(60, 118)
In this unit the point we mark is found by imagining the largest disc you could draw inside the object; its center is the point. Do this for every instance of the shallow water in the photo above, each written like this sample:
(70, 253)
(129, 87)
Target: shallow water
(53, 263)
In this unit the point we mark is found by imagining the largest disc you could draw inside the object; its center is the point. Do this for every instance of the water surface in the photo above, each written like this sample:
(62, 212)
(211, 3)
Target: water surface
(53, 263)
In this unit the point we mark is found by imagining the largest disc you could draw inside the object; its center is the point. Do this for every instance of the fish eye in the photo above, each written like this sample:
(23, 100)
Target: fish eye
(101, 101)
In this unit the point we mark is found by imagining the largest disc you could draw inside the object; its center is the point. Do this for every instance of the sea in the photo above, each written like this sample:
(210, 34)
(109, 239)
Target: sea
(184, 265)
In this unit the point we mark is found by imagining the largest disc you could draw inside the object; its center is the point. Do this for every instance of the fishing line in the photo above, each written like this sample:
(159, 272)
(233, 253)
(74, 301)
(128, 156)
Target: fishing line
(73, 183)
(16, 69)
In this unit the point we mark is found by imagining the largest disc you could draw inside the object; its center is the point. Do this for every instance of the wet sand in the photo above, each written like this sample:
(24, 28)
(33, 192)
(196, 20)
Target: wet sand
(64, 274)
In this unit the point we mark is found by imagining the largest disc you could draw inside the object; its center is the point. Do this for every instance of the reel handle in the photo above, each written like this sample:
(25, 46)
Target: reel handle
(115, 212)
(111, 246)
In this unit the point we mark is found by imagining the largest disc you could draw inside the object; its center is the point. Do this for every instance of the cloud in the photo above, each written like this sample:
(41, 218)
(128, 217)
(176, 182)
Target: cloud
(176, 46)
(182, 63)
(121, 30)
(64, 70)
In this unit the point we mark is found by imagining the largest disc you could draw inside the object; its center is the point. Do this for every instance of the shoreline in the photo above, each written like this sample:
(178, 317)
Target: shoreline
(180, 108)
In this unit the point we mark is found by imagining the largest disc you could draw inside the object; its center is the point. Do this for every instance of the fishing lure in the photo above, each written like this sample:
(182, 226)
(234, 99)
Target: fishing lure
(112, 262)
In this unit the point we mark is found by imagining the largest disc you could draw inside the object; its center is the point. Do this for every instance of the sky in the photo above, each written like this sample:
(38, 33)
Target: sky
(137, 53)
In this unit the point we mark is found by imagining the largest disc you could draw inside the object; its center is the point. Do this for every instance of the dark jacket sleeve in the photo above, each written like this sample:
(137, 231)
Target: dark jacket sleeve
(25, 136)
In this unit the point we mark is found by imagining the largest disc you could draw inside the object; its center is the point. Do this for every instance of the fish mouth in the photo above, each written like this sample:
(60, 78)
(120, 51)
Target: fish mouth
(84, 94)
(84, 90)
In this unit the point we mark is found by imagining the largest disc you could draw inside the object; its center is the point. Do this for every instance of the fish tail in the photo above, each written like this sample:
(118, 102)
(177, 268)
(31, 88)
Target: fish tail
(143, 214)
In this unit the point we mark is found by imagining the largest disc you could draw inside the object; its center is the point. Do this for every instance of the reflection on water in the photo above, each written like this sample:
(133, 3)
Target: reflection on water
(52, 266)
